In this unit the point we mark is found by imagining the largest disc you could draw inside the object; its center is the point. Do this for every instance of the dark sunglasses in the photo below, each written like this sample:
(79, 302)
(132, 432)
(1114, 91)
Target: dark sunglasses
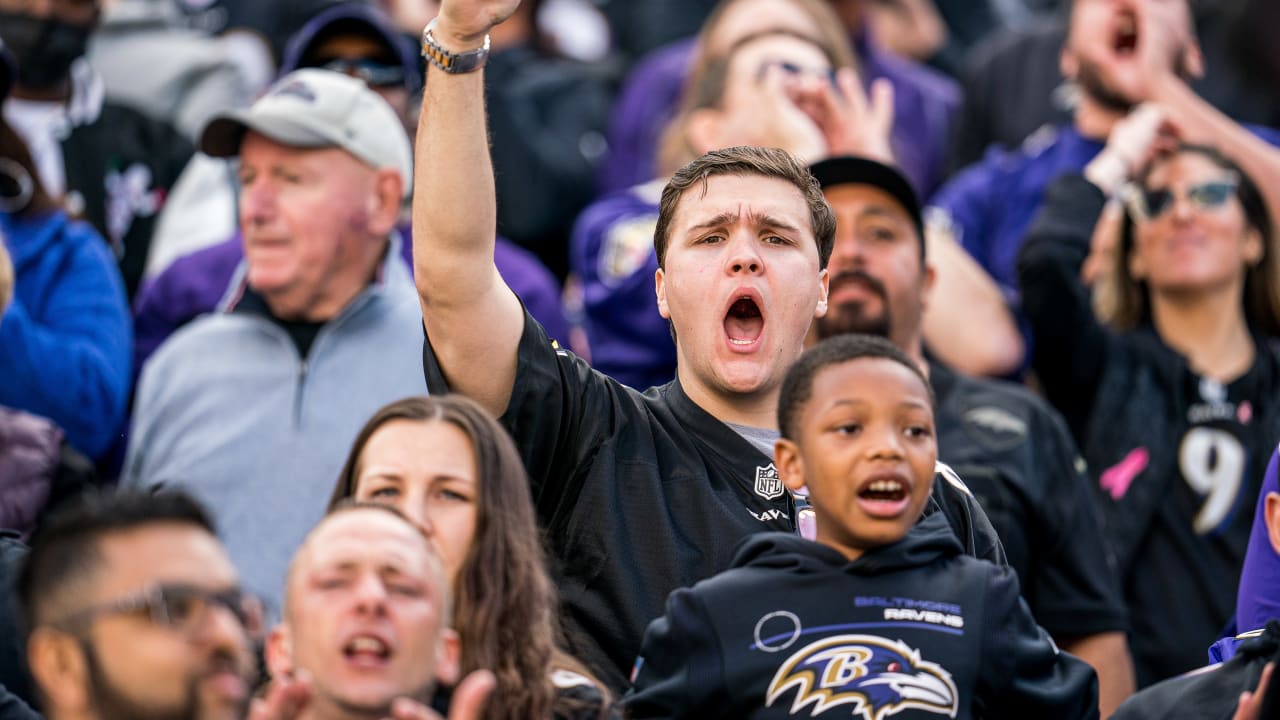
(372, 72)
(184, 608)
(1150, 203)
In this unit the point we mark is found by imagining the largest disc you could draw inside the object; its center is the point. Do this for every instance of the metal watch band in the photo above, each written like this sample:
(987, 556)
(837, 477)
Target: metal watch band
(451, 62)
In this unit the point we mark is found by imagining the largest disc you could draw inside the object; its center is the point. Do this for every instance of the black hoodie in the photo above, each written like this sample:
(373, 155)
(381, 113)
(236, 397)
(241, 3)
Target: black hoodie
(915, 629)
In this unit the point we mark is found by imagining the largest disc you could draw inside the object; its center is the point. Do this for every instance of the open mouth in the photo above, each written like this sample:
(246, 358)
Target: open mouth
(744, 323)
(884, 496)
(367, 650)
(1124, 38)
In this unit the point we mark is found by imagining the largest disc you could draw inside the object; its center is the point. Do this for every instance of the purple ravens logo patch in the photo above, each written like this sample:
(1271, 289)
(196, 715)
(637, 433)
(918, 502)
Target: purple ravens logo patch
(874, 676)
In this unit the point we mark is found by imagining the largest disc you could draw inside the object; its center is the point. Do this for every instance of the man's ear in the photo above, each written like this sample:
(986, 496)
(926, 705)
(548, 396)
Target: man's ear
(279, 652)
(786, 458)
(1271, 514)
(660, 289)
(927, 280)
(448, 658)
(385, 201)
(60, 668)
(824, 290)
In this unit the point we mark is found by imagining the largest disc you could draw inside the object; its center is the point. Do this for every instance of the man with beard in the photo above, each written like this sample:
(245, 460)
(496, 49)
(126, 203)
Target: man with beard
(135, 613)
(1013, 450)
(105, 161)
(1120, 54)
(366, 622)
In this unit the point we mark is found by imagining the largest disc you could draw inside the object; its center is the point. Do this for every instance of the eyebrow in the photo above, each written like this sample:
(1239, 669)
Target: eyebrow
(883, 211)
(762, 219)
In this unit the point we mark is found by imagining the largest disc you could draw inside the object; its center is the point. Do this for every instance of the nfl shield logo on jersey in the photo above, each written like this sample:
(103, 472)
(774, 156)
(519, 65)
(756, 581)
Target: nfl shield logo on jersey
(768, 484)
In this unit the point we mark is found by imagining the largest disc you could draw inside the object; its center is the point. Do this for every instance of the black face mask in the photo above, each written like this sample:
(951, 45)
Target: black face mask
(43, 47)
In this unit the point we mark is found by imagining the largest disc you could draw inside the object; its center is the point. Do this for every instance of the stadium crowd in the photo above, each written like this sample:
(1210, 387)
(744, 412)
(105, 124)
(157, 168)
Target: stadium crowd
(573, 358)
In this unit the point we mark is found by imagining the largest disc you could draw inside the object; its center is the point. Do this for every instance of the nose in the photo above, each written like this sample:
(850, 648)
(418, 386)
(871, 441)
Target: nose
(846, 253)
(886, 442)
(370, 593)
(220, 628)
(257, 202)
(744, 256)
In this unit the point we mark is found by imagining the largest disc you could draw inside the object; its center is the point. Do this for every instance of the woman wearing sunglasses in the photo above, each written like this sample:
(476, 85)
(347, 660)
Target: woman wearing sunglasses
(1166, 367)
(453, 470)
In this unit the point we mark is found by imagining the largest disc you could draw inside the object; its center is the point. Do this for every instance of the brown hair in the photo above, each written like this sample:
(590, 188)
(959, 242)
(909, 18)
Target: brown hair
(766, 162)
(1123, 301)
(708, 71)
(505, 607)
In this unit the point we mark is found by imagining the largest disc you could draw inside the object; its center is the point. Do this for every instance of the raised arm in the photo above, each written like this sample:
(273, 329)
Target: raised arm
(473, 320)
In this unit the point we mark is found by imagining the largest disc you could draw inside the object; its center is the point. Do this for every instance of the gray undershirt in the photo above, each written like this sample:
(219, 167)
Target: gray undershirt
(762, 438)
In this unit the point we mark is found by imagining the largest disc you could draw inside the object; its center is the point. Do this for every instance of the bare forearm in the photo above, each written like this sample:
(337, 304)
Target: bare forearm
(1201, 123)
(454, 204)
(472, 318)
(967, 323)
(1108, 654)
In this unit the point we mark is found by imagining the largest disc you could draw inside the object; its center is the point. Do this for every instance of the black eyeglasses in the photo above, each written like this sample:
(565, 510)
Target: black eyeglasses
(185, 608)
(372, 72)
(1150, 203)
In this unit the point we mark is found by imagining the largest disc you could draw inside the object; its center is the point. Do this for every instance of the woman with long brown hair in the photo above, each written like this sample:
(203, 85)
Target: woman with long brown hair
(1173, 389)
(453, 470)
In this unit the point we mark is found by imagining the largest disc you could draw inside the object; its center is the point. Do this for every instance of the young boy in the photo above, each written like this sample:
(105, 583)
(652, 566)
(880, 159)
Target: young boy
(883, 615)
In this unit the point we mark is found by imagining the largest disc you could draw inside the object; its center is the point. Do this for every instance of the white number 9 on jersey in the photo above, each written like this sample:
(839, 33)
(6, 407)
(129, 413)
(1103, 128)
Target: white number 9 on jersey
(1212, 462)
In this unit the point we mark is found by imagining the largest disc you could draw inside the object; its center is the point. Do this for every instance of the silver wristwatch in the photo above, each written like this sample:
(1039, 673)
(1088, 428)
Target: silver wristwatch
(451, 62)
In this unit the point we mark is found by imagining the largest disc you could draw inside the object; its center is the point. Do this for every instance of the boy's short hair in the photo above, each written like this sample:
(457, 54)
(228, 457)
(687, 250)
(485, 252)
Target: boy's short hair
(797, 387)
(744, 160)
(65, 554)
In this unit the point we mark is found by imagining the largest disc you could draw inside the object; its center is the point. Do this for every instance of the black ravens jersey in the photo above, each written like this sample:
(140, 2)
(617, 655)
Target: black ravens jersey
(641, 494)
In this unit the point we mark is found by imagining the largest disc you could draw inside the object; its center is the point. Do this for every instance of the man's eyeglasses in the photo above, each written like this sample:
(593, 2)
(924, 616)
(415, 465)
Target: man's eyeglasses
(1149, 204)
(185, 608)
(372, 72)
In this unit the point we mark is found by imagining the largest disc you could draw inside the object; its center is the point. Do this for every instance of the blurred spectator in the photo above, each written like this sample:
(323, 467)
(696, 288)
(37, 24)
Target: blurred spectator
(639, 28)
(366, 617)
(1216, 691)
(924, 101)
(134, 612)
(65, 335)
(1012, 449)
(198, 247)
(107, 162)
(1012, 86)
(547, 120)
(455, 472)
(253, 407)
(1119, 53)
(1175, 405)
(151, 62)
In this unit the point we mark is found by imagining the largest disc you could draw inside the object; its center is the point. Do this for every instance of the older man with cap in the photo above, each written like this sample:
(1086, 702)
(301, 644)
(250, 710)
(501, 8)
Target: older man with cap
(252, 407)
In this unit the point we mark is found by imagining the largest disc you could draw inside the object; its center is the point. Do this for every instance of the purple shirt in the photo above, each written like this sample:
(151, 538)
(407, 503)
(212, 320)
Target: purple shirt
(924, 106)
(195, 283)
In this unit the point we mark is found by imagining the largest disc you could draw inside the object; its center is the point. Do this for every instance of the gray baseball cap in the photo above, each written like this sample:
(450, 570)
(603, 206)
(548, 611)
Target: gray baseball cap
(314, 108)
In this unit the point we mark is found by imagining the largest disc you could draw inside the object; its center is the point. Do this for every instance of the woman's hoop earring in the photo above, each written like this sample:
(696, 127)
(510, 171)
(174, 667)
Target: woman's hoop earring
(16, 186)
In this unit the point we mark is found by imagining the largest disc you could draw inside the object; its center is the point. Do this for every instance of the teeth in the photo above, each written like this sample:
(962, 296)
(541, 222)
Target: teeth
(368, 644)
(885, 486)
(740, 342)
